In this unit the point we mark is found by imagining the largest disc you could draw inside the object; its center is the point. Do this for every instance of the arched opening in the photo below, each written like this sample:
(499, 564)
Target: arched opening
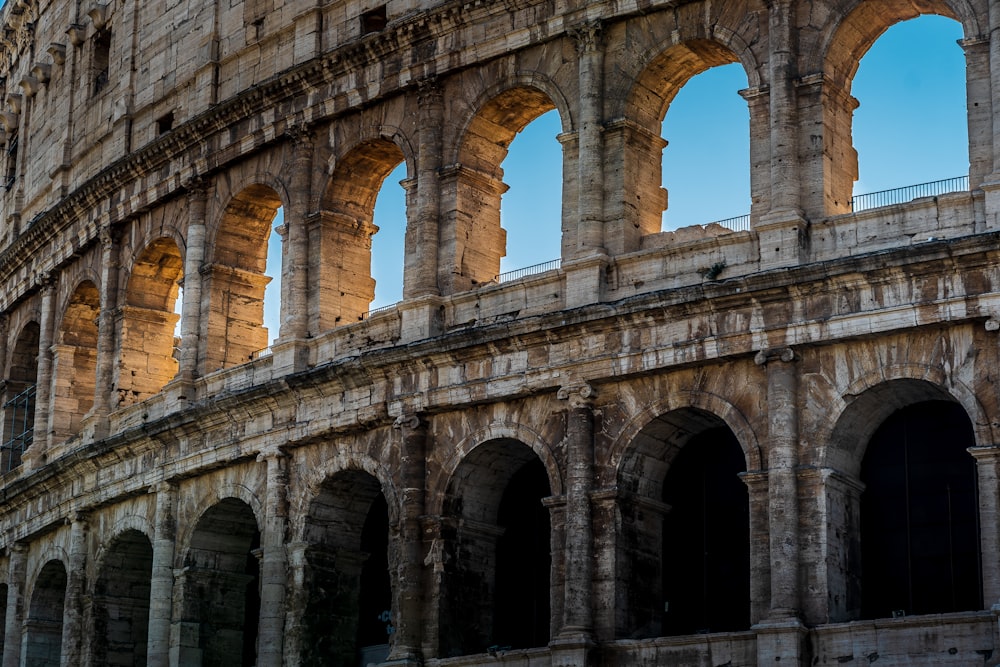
(911, 83)
(74, 362)
(346, 229)
(388, 245)
(684, 557)
(706, 537)
(707, 132)
(496, 586)
(665, 167)
(221, 588)
(348, 619)
(897, 96)
(472, 238)
(19, 398)
(237, 279)
(148, 344)
(43, 627)
(919, 514)
(121, 602)
(531, 210)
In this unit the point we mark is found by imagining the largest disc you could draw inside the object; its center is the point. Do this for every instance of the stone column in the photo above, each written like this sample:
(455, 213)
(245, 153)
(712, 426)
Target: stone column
(295, 249)
(572, 645)
(72, 631)
(106, 327)
(161, 582)
(760, 545)
(781, 635)
(784, 118)
(995, 85)
(273, 560)
(783, 507)
(14, 617)
(590, 156)
(409, 580)
(35, 456)
(979, 106)
(421, 259)
(988, 470)
(557, 552)
(296, 599)
(194, 258)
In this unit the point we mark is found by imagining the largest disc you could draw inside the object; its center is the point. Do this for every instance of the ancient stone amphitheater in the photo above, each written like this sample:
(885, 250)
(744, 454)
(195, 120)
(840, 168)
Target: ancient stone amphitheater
(716, 447)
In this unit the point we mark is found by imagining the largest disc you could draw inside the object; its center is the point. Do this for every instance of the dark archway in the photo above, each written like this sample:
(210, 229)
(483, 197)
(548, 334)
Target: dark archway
(684, 555)
(19, 398)
(221, 587)
(43, 627)
(706, 537)
(919, 514)
(349, 591)
(496, 587)
(121, 602)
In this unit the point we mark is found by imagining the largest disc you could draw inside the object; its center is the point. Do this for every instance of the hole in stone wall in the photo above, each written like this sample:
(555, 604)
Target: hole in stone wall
(374, 20)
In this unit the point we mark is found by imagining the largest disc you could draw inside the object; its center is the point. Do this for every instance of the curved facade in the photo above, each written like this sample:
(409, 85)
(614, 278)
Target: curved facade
(696, 447)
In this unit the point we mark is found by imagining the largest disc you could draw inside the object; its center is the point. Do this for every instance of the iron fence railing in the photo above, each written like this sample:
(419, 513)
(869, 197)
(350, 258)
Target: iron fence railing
(19, 418)
(260, 354)
(380, 309)
(507, 276)
(740, 223)
(869, 200)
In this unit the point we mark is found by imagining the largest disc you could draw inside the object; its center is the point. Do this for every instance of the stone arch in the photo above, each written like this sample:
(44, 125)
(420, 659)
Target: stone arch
(220, 586)
(19, 396)
(870, 403)
(148, 358)
(867, 401)
(345, 221)
(848, 34)
(216, 495)
(653, 599)
(472, 240)
(131, 522)
(234, 329)
(495, 431)
(843, 41)
(344, 462)
(664, 73)
(351, 557)
(120, 600)
(74, 361)
(495, 494)
(42, 644)
(701, 401)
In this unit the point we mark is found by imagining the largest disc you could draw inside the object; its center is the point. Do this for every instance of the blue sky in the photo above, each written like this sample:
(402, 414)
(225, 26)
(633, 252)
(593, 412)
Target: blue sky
(910, 128)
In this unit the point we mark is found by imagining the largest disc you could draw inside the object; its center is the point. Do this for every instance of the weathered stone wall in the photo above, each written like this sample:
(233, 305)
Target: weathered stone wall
(189, 499)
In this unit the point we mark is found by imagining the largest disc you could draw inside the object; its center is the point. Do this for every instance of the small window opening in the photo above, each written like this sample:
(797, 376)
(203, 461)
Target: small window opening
(374, 20)
(102, 59)
(165, 123)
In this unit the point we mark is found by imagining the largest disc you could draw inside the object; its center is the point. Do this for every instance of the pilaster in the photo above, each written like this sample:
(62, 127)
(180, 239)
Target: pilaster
(106, 330)
(273, 563)
(36, 454)
(194, 258)
(161, 582)
(14, 617)
(72, 629)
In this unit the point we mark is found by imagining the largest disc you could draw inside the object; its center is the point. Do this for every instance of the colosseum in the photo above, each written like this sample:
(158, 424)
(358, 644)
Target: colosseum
(770, 442)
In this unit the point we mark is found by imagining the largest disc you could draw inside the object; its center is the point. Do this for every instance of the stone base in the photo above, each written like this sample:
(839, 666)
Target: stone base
(781, 640)
(571, 649)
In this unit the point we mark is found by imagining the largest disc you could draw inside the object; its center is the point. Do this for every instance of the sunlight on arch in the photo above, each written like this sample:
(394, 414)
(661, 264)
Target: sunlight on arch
(706, 166)
(531, 210)
(911, 125)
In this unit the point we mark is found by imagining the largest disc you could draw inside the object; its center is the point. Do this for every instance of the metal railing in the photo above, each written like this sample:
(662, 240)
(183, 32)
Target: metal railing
(260, 354)
(902, 195)
(380, 309)
(740, 223)
(19, 415)
(507, 276)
